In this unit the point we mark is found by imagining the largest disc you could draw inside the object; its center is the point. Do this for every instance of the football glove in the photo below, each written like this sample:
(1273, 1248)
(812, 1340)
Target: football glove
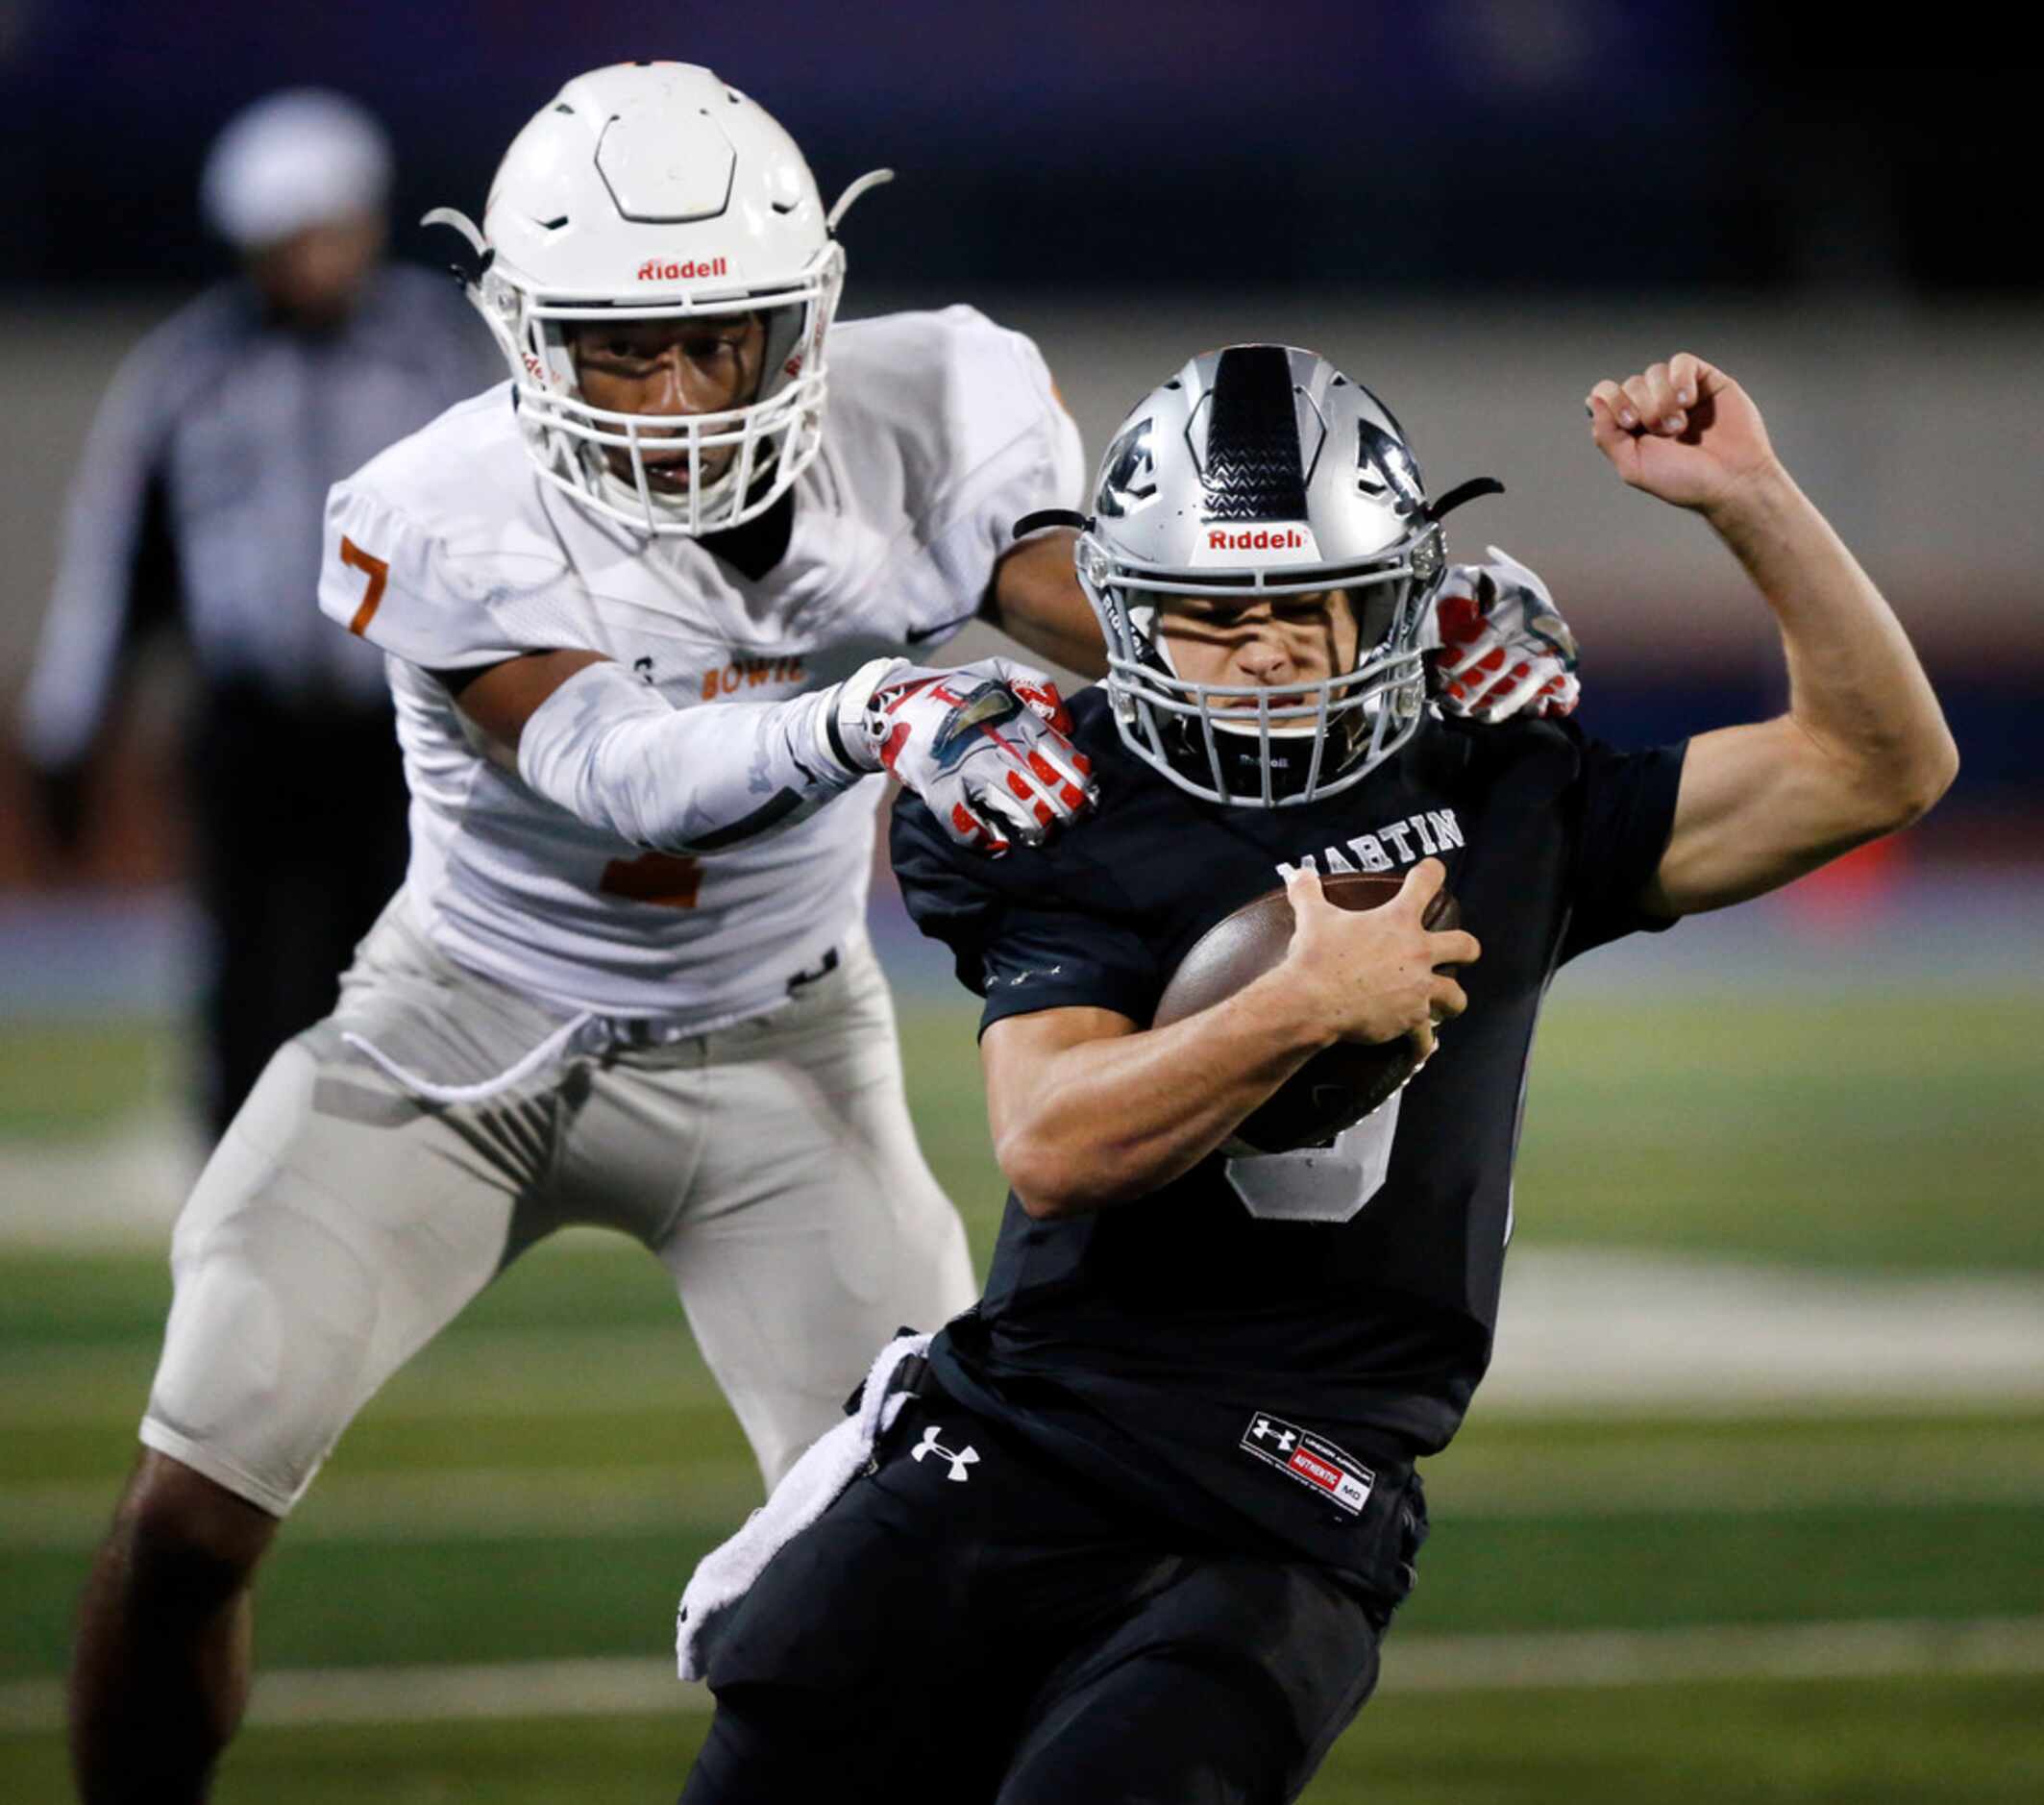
(986, 747)
(1498, 645)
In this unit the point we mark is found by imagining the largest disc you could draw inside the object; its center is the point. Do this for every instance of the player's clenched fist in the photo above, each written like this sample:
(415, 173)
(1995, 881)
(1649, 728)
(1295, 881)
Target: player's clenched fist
(1683, 431)
(1372, 973)
(986, 747)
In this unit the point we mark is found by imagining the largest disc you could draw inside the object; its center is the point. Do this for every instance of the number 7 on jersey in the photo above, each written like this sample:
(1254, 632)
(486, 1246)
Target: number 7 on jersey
(376, 570)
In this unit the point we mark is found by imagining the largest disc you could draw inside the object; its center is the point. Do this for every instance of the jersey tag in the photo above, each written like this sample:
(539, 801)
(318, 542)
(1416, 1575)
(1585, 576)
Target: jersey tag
(1311, 1459)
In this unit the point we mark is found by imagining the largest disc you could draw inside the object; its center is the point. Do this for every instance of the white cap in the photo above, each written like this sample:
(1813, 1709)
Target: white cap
(294, 160)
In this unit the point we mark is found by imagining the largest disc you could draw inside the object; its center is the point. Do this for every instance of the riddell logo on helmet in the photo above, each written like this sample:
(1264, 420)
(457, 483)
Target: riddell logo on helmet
(1258, 539)
(654, 270)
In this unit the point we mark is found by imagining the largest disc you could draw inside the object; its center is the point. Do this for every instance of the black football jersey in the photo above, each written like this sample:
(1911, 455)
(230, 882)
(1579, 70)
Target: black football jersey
(1253, 1344)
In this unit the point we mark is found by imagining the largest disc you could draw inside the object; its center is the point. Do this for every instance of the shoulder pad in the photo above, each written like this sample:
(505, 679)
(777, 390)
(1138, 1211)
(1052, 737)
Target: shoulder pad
(957, 389)
(436, 550)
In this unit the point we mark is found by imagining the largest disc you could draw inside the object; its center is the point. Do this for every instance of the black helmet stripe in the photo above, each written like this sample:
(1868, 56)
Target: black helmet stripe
(1253, 469)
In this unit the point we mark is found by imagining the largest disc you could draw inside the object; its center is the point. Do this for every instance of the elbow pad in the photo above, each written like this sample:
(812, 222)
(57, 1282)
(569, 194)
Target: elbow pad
(606, 747)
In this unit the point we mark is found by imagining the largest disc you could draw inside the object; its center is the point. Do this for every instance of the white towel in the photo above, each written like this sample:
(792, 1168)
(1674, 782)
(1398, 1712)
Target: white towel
(831, 1462)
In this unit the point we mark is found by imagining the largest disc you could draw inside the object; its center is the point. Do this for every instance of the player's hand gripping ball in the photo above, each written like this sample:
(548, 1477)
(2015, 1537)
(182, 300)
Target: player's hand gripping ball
(987, 746)
(1339, 1085)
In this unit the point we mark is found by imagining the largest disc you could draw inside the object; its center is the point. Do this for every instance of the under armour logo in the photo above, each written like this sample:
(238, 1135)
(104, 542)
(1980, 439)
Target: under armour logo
(1264, 1426)
(960, 1458)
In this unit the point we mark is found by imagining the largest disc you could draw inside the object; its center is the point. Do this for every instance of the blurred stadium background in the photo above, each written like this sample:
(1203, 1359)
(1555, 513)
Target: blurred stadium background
(1753, 1504)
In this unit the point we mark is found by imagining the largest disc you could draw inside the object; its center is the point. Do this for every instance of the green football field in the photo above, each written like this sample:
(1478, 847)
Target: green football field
(1754, 1601)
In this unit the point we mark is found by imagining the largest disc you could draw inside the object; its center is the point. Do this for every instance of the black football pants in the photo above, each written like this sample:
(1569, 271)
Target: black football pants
(968, 1625)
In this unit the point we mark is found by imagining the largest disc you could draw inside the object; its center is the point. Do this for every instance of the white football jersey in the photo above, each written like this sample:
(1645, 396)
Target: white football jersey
(449, 551)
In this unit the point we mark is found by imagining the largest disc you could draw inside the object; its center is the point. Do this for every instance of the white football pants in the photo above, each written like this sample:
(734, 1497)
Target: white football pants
(342, 1224)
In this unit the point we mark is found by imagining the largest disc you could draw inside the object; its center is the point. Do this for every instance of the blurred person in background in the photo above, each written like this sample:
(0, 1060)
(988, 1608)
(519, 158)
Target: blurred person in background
(198, 505)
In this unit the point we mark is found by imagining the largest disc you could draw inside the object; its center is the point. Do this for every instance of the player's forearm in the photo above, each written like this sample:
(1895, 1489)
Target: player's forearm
(1112, 1119)
(1037, 602)
(1065, 644)
(1856, 687)
(615, 755)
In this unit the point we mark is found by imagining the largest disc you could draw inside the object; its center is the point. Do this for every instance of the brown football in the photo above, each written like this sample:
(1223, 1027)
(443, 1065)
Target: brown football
(1341, 1084)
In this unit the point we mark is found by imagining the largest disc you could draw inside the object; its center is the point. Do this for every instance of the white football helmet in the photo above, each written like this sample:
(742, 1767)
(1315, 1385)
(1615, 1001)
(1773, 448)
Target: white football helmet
(646, 191)
(1262, 469)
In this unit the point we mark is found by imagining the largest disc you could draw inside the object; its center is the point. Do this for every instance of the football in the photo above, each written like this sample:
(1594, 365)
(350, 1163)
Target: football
(1341, 1084)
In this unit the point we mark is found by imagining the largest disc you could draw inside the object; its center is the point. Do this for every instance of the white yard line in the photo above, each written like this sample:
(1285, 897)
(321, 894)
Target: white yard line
(1579, 1328)
(1582, 1329)
(1579, 1331)
(1418, 1663)
(119, 1187)
(503, 1374)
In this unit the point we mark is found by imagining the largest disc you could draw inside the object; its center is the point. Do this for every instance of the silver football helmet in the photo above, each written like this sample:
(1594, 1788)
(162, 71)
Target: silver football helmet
(1262, 469)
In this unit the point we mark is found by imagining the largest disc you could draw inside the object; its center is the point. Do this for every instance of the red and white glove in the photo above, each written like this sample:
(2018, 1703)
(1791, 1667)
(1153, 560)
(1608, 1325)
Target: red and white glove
(986, 747)
(1499, 645)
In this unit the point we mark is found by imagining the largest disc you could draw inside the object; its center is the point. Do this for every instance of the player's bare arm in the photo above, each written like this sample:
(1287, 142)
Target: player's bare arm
(1036, 600)
(1863, 749)
(1088, 1109)
(498, 700)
